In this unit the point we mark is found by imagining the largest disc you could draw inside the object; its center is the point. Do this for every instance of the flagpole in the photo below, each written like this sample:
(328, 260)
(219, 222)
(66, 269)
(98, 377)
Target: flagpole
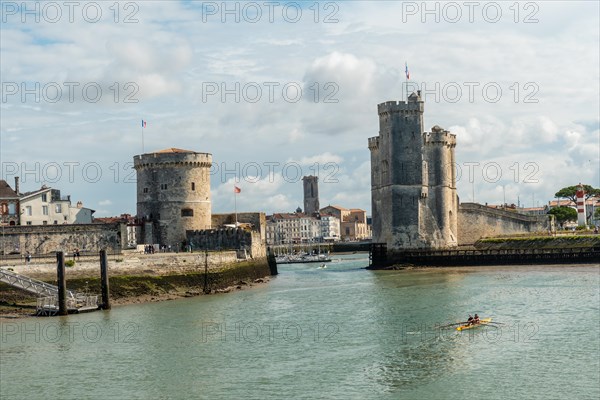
(235, 205)
(142, 138)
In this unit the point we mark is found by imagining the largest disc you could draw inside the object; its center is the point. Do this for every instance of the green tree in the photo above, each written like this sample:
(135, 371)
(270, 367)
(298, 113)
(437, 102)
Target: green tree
(569, 192)
(563, 214)
(597, 213)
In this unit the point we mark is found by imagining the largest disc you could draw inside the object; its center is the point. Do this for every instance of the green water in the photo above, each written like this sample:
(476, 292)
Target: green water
(336, 333)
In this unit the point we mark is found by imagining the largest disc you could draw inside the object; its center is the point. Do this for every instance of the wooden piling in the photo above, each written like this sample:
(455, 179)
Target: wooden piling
(62, 283)
(104, 280)
(271, 261)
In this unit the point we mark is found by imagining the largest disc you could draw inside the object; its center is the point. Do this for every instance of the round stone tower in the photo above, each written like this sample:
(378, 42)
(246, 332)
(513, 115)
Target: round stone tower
(173, 194)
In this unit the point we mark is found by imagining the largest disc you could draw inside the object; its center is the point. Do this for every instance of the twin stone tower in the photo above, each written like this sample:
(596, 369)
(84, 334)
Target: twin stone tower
(413, 185)
(413, 182)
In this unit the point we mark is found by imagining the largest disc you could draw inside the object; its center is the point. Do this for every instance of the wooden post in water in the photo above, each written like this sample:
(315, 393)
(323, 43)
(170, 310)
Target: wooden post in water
(104, 280)
(62, 283)
(206, 290)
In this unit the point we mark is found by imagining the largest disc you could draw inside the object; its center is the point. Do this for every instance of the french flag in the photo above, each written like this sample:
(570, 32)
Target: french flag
(406, 71)
(143, 124)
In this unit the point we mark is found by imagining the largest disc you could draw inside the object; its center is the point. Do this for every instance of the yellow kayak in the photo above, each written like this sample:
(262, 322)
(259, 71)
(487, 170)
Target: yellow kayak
(483, 321)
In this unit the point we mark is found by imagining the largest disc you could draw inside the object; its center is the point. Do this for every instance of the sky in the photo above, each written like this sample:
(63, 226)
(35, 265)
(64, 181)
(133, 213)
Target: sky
(278, 90)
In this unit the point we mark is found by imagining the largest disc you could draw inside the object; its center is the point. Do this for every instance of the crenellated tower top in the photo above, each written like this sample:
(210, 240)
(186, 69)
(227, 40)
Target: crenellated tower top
(414, 103)
(439, 136)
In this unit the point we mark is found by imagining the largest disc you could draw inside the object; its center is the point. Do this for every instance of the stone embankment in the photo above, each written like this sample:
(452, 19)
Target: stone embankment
(539, 242)
(136, 278)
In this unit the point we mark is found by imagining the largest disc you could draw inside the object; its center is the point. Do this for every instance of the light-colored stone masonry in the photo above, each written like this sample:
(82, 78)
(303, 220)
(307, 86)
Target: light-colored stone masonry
(173, 194)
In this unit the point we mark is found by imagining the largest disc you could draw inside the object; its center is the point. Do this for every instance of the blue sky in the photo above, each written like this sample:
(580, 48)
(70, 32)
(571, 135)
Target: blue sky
(526, 122)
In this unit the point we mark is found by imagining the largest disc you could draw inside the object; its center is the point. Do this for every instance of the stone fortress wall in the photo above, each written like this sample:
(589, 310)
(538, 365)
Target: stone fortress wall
(44, 239)
(476, 221)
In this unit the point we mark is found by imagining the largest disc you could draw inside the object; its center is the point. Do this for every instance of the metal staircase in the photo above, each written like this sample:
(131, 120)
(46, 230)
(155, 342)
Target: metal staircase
(31, 285)
(47, 301)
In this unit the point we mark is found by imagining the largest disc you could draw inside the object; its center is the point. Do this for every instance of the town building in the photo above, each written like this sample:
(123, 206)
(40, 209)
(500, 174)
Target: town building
(330, 228)
(353, 222)
(132, 227)
(46, 206)
(9, 204)
(296, 228)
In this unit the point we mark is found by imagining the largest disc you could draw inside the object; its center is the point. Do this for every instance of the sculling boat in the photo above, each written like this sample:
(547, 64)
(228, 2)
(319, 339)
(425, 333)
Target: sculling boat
(482, 322)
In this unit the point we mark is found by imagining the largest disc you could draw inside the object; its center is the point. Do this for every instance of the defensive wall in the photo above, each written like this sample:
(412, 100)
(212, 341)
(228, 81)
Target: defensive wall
(228, 239)
(43, 239)
(476, 221)
(257, 221)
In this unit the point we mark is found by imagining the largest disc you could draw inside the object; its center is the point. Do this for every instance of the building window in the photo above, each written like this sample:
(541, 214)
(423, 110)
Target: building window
(58, 208)
(145, 190)
(193, 186)
(45, 223)
(45, 210)
(44, 197)
(163, 186)
(12, 209)
(28, 210)
(28, 222)
(55, 222)
(187, 212)
(65, 217)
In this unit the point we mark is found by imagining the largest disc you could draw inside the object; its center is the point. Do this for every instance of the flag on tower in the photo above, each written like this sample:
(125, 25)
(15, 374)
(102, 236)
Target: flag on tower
(236, 189)
(143, 124)
(406, 71)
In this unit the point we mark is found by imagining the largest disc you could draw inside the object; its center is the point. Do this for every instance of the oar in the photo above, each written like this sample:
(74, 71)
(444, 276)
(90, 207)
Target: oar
(458, 323)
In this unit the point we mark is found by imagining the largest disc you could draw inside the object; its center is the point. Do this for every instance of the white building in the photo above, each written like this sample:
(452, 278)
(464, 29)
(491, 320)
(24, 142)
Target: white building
(46, 207)
(330, 228)
(286, 228)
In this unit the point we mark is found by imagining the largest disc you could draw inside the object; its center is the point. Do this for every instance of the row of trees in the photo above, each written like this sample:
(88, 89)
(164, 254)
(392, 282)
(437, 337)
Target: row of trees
(563, 213)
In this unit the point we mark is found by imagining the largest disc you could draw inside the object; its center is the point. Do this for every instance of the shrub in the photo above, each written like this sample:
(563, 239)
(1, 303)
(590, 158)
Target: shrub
(69, 263)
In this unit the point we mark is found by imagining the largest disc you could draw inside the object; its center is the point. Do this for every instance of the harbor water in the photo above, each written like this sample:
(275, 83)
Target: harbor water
(340, 332)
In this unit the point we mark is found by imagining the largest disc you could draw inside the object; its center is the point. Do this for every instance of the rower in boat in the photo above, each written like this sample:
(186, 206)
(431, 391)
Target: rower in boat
(470, 320)
(476, 319)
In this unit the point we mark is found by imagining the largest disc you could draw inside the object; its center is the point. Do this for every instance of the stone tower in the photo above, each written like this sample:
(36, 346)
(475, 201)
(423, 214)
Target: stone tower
(173, 194)
(311, 194)
(413, 188)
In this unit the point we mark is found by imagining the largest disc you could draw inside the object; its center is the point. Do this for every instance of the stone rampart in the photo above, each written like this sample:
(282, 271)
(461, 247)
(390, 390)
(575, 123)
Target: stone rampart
(228, 239)
(43, 239)
(476, 221)
(256, 219)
